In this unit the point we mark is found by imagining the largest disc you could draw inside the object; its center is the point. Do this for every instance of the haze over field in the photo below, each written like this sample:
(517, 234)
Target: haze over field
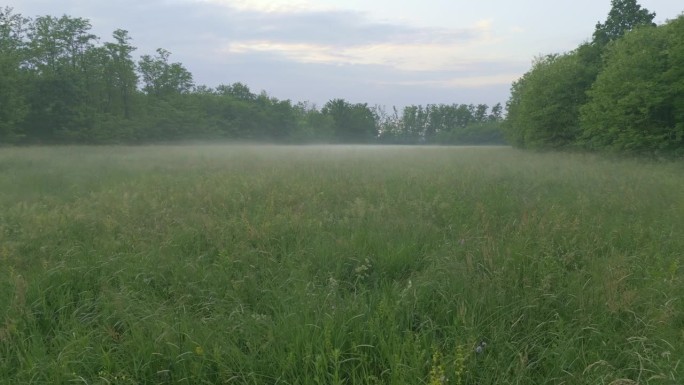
(338, 265)
(380, 52)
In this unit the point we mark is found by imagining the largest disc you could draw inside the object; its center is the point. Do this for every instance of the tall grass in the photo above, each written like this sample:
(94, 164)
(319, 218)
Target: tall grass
(338, 265)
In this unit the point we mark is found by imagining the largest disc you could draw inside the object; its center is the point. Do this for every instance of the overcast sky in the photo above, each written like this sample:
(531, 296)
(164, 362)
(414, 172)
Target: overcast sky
(386, 52)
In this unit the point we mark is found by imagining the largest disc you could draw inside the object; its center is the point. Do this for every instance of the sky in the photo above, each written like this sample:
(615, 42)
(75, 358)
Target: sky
(380, 52)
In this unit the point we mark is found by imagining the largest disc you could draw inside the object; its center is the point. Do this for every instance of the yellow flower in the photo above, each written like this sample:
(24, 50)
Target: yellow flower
(437, 376)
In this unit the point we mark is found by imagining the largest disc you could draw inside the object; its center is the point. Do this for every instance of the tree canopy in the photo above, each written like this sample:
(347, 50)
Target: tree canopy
(624, 16)
(620, 92)
(59, 83)
(639, 115)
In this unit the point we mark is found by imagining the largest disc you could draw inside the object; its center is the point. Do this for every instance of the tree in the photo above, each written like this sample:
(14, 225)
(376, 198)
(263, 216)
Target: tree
(415, 120)
(543, 109)
(642, 115)
(496, 113)
(674, 76)
(238, 90)
(161, 78)
(480, 114)
(276, 118)
(13, 106)
(624, 16)
(61, 43)
(312, 125)
(169, 113)
(61, 76)
(120, 75)
(354, 123)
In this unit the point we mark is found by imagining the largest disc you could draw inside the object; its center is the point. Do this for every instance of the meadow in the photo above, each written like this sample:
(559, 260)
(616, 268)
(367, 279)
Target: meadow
(212, 264)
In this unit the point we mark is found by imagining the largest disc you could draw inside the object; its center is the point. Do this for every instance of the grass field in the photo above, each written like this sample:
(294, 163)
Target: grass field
(338, 265)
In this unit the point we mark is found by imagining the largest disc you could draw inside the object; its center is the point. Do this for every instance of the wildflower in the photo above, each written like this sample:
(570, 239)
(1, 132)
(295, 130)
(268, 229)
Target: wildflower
(459, 365)
(437, 374)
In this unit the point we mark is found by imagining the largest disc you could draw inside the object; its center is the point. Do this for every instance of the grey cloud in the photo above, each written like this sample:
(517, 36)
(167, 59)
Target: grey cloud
(201, 26)
(335, 28)
(375, 84)
(194, 32)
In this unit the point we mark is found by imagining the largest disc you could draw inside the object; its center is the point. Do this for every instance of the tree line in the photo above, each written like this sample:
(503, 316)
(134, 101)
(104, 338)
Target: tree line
(621, 91)
(60, 84)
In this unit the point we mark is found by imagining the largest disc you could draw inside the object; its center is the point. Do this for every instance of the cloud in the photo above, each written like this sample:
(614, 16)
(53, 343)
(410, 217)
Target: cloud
(407, 56)
(318, 53)
(294, 30)
(341, 37)
(297, 51)
(321, 26)
(463, 81)
(372, 83)
(517, 29)
(266, 6)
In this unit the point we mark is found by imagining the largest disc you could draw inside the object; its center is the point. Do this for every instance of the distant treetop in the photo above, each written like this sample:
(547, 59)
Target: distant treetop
(624, 16)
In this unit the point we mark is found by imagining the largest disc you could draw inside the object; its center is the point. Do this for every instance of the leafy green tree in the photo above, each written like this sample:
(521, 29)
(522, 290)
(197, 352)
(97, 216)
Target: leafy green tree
(389, 124)
(312, 126)
(61, 72)
(642, 114)
(543, 109)
(544, 106)
(13, 106)
(168, 113)
(161, 78)
(354, 123)
(120, 76)
(415, 120)
(237, 90)
(463, 116)
(276, 118)
(674, 76)
(496, 113)
(624, 16)
(59, 43)
(480, 114)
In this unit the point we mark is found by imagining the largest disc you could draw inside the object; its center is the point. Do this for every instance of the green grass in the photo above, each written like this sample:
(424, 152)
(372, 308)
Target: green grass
(338, 265)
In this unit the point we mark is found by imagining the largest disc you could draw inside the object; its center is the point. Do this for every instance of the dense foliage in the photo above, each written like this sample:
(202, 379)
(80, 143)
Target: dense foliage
(440, 123)
(622, 91)
(59, 84)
